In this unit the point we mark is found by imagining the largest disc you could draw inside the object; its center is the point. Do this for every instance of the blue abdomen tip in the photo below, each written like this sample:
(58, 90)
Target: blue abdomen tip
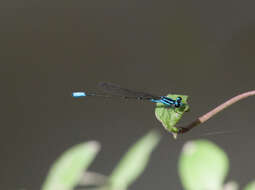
(78, 94)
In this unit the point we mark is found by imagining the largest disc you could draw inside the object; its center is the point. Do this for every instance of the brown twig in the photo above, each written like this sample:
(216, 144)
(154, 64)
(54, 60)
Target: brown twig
(213, 112)
(92, 178)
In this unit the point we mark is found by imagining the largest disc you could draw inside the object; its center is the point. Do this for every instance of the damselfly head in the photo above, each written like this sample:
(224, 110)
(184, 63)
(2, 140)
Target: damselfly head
(178, 99)
(178, 102)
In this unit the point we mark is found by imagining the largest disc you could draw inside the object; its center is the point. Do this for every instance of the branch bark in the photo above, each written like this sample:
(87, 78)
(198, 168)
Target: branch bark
(213, 112)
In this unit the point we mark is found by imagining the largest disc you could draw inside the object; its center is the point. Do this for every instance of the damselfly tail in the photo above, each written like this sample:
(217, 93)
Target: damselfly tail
(84, 94)
(79, 94)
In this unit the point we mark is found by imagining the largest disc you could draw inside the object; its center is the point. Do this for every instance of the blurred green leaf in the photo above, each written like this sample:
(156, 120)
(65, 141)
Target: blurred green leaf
(134, 161)
(250, 186)
(68, 169)
(202, 165)
(169, 116)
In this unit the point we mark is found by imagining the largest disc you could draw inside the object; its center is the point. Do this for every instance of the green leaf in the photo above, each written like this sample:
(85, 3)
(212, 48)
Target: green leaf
(134, 161)
(68, 169)
(169, 116)
(202, 165)
(250, 186)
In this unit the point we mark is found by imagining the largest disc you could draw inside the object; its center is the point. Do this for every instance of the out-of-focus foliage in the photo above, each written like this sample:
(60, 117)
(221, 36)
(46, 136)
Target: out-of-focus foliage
(68, 169)
(134, 161)
(250, 186)
(202, 165)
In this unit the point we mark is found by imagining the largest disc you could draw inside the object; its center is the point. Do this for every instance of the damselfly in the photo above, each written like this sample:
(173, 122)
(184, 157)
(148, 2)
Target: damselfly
(113, 90)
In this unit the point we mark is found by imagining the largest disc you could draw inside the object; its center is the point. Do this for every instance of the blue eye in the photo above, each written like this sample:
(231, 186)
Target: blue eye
(178, 99)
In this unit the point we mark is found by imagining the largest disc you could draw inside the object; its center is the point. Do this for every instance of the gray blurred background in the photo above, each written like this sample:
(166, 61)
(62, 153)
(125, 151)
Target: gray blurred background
(204, 49)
